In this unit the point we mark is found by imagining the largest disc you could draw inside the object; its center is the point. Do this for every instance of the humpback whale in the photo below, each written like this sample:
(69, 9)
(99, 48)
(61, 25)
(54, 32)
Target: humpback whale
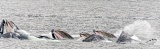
(93, 38)
(85, 37)
(124, 38)
(103, 33)
(10, 30)
(57, 34)
(139, 32)
(97, 36)
(106, 35)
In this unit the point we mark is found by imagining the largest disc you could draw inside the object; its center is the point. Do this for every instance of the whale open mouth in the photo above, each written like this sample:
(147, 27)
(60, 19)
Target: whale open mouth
(103, 33)
(61, 35)
(7, 26)
(8, 29)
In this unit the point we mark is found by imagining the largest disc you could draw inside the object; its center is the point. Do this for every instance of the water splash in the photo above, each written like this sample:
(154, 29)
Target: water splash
(33, 38)
(140, 28)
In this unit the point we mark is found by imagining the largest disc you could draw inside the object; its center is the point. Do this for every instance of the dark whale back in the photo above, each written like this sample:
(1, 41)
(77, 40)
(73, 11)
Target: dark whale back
(93, 37)
(124, 38)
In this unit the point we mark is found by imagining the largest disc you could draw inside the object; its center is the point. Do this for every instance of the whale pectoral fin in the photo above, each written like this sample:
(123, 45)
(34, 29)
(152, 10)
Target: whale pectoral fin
(151, 42)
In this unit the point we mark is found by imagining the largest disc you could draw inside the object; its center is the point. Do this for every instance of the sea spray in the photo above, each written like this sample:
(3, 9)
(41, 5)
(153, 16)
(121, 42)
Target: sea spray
(117, 34)
(140, 28)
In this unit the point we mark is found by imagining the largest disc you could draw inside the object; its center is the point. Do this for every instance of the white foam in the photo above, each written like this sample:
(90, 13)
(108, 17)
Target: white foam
(117, 34)
(140, 28)
(32, 38)
(135, 38)
(106, 41)
(23, 32)
(47, 35)
(75, 35)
